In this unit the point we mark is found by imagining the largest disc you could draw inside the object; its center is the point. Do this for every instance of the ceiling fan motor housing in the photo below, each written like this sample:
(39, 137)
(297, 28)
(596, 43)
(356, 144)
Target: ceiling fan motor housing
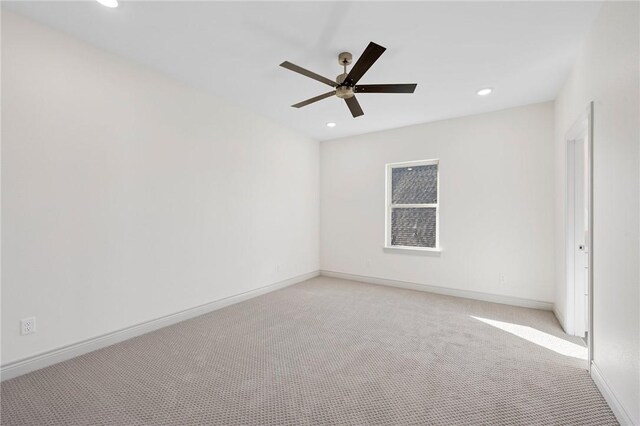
(343, 92)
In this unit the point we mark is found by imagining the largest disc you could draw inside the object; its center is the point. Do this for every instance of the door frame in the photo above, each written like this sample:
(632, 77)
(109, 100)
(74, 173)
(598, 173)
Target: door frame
(582, 128)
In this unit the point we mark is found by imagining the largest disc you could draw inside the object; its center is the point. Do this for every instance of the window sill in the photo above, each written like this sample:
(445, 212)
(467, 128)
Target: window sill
(416, 250)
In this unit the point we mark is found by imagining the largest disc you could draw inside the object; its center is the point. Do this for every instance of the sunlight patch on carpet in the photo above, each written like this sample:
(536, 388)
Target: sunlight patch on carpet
(540, 338)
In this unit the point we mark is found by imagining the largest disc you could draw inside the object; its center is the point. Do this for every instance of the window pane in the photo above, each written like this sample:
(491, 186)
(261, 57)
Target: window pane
(413, 227)
(415, 185)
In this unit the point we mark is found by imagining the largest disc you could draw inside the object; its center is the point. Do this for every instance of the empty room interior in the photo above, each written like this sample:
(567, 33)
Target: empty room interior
(320, 213)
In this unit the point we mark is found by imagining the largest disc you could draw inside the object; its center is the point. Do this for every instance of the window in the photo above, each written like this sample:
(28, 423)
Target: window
(412, 205)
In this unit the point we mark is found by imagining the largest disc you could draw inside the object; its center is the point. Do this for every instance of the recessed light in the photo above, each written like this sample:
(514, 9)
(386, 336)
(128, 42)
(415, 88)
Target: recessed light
(331, 124)
(108, 3)
(484, 92)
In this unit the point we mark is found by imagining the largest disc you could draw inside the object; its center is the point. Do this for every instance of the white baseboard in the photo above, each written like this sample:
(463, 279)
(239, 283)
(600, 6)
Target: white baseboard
(45, 359)
(559, 317)
(623, 417)
(487, 297)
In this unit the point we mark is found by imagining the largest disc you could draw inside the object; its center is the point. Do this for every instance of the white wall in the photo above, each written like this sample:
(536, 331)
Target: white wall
(128, 196)
(607, 73)
(496, 203)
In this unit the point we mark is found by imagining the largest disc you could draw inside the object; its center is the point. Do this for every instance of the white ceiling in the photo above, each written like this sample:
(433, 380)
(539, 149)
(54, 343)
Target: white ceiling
(523, 50)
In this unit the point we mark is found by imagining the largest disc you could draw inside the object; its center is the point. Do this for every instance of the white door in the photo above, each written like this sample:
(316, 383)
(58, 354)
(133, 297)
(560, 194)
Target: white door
(581, 236)
(578, 229)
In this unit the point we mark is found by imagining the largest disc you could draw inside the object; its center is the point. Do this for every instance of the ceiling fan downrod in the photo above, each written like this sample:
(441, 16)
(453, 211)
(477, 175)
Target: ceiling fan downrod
(344, 91)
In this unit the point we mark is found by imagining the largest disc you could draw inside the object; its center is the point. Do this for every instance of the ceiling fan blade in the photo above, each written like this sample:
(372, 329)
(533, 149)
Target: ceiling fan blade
(288, 65)
(385, 88)
(368, 57)
(354, 107)
(314, 99)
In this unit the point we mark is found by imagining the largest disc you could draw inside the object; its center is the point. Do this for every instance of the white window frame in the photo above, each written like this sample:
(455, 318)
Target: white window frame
(389, 205)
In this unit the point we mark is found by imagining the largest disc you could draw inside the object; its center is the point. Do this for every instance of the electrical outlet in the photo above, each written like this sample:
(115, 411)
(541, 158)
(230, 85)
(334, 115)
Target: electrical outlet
(28, 325)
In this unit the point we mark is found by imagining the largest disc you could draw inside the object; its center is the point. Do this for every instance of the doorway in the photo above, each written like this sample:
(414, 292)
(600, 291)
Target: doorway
(579, 229)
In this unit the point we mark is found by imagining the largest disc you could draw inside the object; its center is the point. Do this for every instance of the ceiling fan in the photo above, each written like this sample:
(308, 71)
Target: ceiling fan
(345, 86)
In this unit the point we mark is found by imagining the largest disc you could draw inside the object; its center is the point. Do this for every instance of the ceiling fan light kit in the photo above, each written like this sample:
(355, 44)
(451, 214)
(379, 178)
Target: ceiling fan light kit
(345, 87)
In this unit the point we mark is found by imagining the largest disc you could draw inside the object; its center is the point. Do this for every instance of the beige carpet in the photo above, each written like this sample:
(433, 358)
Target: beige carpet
(325, 351)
